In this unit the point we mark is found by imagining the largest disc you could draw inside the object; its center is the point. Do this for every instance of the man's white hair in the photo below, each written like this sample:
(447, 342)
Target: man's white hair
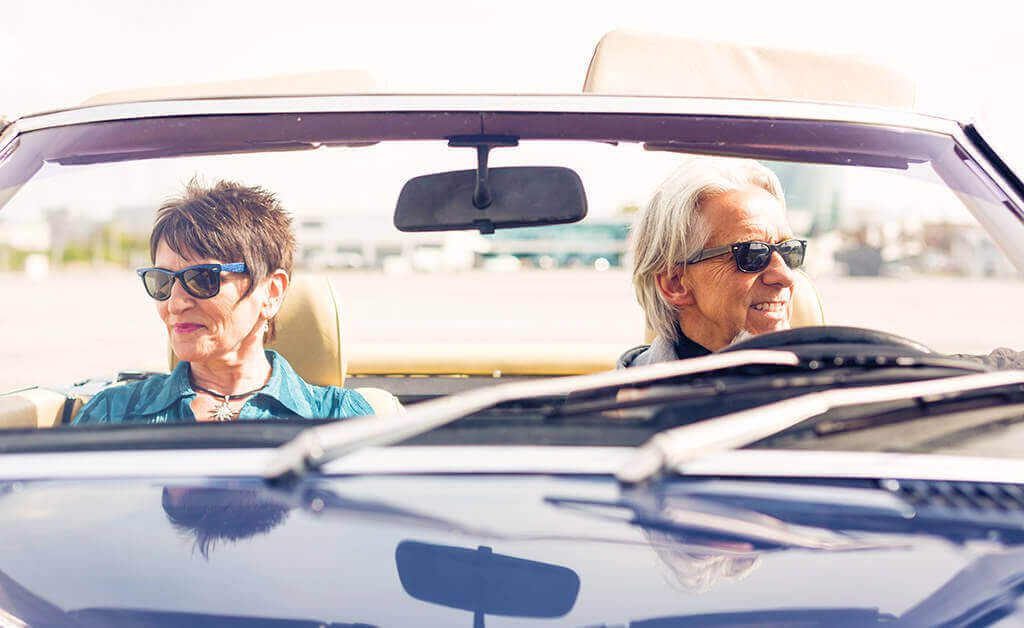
(671, 228)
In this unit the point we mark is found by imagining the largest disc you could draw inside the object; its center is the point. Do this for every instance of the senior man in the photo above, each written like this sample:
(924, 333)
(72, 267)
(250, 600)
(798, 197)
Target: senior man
(714, 259)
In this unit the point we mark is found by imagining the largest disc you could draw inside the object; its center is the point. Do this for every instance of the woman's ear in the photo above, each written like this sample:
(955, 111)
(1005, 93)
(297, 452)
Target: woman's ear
(673, 287)
(277, 286)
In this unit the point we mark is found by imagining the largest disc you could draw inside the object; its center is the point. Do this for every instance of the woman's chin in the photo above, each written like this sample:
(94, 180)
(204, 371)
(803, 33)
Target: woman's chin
(188, 351)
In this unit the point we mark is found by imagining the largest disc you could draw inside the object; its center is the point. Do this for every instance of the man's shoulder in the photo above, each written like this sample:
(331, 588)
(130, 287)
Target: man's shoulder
(661, 349)
(1002, 358)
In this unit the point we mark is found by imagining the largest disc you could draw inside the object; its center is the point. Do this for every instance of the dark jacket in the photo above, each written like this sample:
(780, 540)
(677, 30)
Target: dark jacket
(661, 349)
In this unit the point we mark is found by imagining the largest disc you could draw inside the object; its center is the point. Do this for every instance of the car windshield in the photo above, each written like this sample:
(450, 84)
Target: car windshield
(905, 234)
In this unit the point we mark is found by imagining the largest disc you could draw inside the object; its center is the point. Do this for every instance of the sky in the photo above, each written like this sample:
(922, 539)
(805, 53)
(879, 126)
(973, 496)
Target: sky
(964, 56)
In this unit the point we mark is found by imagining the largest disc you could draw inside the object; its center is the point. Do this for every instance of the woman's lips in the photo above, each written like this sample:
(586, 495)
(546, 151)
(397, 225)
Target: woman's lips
(185, 328)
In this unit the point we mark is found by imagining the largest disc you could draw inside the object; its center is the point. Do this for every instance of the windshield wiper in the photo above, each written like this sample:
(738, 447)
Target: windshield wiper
(319, 445)
(812, 376)
(677, 446)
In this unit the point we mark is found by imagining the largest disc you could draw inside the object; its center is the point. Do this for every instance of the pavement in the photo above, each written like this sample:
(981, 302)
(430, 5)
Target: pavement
(78, 324)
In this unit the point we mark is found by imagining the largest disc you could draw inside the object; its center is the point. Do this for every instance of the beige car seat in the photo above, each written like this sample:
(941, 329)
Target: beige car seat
(807, 308)
(309, 336)
(36, 408)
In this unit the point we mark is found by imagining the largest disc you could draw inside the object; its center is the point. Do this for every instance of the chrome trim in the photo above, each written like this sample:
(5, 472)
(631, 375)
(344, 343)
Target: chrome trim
(1013, 250)
(8, 134)
(370, 461)
(520, 460)
(134, 464)
(523, 459)
(569, 103)
(1005, 186)
(857, 465)
(677, 447)
(8, 620)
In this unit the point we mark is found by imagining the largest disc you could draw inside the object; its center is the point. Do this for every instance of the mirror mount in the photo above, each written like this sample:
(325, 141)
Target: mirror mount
(482, 197)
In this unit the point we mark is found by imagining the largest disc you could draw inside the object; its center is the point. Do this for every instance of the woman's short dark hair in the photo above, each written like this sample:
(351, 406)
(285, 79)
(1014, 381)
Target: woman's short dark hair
(230, 222)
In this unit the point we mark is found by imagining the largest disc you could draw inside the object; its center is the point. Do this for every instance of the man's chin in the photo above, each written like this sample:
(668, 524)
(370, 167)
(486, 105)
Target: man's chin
(743, 335)
(746, 334)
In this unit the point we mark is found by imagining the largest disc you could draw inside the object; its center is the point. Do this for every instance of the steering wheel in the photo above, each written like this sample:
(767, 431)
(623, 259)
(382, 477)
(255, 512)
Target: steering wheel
(848, 337)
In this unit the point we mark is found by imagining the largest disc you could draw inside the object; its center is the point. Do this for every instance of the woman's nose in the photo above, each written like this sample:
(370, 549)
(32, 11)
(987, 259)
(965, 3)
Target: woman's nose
(179, 299)
(778, 272)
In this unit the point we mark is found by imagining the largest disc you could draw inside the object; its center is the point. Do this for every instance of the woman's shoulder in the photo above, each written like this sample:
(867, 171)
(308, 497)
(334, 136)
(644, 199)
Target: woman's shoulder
(312, 400)
(337, 401)
(124, 401)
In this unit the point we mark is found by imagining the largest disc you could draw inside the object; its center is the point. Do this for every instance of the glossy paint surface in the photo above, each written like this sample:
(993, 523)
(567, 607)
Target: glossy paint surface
(326, 549)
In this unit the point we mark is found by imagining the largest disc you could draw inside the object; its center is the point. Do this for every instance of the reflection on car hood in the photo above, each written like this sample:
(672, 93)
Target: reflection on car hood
(329, 552)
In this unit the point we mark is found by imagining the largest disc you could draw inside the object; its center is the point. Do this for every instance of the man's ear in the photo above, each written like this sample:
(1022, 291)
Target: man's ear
(277, 286)
(674, 289)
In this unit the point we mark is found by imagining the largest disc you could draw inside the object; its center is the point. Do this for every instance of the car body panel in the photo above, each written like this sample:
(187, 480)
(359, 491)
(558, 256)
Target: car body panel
(305, 566)
(110, 530)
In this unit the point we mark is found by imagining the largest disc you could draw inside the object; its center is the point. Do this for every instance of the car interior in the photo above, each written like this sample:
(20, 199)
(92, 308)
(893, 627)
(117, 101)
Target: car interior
(309, 334)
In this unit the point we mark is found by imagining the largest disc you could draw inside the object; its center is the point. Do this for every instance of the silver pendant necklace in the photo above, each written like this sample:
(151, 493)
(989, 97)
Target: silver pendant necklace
(223, 412)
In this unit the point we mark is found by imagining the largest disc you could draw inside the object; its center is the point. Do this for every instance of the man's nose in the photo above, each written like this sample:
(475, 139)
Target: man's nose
(778, 272)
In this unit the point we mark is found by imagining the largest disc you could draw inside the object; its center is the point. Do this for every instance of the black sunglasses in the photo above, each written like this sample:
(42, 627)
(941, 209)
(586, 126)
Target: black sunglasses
(201, 281)
(754, 256)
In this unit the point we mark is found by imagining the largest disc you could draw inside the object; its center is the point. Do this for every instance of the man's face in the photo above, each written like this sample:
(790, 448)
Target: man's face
(719, 300)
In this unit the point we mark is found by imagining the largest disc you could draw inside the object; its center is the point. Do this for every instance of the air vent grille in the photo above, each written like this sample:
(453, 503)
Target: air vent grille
(976, 496)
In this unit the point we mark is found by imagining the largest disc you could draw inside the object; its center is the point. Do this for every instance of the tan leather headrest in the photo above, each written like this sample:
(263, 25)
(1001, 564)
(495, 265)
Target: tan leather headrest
(308, 332)
(807, 309)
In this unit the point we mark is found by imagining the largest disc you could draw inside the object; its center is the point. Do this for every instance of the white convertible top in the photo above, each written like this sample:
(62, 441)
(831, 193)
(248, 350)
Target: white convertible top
(625, 63)
(308, 84)
(642, 64)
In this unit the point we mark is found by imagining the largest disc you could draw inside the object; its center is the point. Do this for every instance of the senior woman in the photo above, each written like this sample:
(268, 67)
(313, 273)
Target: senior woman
(714, 258)
(222, 259)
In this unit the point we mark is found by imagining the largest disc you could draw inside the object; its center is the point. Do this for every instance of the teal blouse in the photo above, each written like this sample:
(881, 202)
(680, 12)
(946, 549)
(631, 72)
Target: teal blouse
(167, 398)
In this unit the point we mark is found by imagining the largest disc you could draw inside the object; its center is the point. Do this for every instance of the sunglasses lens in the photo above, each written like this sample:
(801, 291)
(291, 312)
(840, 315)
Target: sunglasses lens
(201, 283)
(753, 257)
(158, 284)
(792, 252)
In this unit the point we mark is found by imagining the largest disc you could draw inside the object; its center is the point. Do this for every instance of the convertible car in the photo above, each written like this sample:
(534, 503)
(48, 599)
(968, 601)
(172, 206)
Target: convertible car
(465, 262)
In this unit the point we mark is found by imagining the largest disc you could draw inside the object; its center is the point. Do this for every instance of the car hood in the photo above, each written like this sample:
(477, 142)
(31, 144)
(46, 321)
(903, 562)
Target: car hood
(392, 550)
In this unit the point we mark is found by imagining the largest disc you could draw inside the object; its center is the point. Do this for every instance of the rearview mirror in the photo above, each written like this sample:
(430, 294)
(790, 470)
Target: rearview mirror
(525, 196)
(485, 583)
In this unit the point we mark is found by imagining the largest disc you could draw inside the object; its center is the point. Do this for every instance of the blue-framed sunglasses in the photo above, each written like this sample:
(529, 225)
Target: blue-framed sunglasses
(754, 256)
(201, 281)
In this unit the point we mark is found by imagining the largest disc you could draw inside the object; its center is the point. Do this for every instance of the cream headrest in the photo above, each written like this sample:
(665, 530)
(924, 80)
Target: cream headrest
(807, 309)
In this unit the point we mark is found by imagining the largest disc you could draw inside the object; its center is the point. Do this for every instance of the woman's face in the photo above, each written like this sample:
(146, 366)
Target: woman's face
(214, 328)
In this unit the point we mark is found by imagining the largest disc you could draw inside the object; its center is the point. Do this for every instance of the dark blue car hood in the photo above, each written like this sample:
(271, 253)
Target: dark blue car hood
(352, 551)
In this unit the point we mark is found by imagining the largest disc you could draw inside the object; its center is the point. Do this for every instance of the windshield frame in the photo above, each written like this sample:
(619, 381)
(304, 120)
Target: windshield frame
(697, 125)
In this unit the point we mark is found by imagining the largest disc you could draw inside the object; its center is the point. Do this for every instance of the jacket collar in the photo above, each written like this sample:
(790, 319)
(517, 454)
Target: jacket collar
(686, 348)
(284, 385)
